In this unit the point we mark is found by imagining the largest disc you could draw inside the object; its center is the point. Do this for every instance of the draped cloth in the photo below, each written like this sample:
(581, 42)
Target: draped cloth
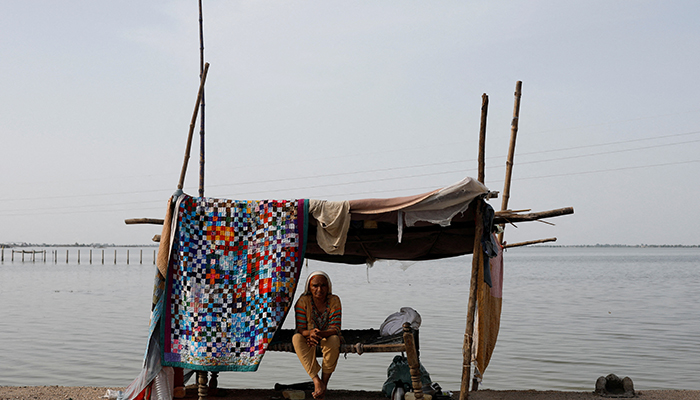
(488, 315)
(233, 270)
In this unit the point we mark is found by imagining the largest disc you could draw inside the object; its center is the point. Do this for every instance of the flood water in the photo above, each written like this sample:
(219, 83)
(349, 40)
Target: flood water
(569, 316)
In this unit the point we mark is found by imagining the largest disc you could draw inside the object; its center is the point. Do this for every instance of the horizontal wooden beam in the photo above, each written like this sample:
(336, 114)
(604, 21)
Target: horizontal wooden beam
(529, 242)
(506, 216)
(152, 221)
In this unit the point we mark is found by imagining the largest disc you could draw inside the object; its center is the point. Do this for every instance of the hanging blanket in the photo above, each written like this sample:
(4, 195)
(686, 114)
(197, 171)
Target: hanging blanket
(234, 266)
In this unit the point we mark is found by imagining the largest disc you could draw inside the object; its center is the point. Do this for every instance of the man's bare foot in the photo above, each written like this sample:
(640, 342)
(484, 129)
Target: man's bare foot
(320, 389)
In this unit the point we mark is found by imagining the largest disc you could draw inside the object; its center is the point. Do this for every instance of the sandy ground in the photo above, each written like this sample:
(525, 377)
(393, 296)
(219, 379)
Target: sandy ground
(95, 393)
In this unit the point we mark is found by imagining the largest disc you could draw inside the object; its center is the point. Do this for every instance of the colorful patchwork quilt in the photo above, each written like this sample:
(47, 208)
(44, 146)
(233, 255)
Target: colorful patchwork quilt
(233, 270)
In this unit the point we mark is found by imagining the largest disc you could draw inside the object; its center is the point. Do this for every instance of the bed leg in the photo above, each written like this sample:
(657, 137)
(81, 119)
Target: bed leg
(413, 363)
(203, 389)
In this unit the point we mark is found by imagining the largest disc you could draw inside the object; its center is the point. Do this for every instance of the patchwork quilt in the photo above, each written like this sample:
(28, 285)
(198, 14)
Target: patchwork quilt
(233, 270)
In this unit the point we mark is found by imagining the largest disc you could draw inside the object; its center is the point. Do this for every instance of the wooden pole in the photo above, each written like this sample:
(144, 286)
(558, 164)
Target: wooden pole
(78, 256)
(115, 256)
(201, 119)
(477, 260)
(511, 150)
(192, 123)
(152, 221)
(66, 256)
(482, 137)
(90, 256)
(511, 216)
(529, 242)
(127, 256)
(141, 256)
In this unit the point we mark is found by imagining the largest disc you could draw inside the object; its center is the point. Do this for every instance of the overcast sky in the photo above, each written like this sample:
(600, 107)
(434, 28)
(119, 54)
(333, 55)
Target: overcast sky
(350, 99)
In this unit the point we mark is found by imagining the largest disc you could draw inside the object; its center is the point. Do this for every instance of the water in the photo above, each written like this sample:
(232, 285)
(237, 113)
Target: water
(570, 315)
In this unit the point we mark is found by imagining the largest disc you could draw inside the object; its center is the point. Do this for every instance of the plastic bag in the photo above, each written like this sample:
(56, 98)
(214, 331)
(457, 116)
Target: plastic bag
(112, 394)
(393, 324)
(400, 371)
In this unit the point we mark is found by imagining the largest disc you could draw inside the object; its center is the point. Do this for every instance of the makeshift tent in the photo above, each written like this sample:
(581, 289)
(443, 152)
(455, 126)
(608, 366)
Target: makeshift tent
(442, 223)
(446, 222)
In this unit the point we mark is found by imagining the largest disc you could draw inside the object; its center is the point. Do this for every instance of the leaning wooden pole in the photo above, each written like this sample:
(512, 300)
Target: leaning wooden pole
(201, 118)
(511, 150)
(183, 172)
(482, 137)
(477, 261)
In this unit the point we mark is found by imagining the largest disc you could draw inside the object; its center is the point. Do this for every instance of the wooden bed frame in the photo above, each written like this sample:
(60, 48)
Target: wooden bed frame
(356, 341)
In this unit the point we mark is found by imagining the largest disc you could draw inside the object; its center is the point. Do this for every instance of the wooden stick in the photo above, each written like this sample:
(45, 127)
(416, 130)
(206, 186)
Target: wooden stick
(529, 242)
(502, 217)
(511, 151)
(477, 260)
(192, 123)
(152, 221)
(201, 120)
(516, 211)
(482, 136)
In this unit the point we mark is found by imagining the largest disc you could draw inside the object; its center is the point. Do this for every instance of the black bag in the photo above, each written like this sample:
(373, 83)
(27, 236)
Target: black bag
(399, 371)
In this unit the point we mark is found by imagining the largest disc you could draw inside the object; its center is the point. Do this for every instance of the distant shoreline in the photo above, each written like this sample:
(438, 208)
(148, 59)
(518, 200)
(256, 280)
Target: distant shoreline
(102, 245)
(92, 245)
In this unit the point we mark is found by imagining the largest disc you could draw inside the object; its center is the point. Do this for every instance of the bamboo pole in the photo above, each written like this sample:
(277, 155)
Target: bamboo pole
(508, 216)
(201, 119)
(192, 123)
(152, 221)
(477, 260)
(529, 242)
(482, 137)
(511, 150)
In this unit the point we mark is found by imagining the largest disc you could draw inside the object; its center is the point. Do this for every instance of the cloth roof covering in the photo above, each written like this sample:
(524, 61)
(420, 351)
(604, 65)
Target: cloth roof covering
(436, 224)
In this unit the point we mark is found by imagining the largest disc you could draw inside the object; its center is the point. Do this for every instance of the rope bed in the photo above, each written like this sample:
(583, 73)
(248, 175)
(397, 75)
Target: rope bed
(357, 341)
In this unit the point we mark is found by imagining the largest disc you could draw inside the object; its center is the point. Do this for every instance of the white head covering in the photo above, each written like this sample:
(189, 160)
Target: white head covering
(311, 275)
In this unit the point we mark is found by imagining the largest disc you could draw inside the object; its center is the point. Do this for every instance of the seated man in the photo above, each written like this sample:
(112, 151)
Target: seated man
(318, 315)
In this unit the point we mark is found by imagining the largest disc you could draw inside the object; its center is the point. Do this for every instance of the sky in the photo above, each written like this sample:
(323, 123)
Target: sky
(354, 99)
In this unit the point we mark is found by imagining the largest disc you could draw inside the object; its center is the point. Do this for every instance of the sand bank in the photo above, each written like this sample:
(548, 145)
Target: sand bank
(95, 393)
